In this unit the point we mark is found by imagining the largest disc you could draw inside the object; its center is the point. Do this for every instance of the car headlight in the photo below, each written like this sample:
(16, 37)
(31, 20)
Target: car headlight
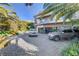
(50, 35)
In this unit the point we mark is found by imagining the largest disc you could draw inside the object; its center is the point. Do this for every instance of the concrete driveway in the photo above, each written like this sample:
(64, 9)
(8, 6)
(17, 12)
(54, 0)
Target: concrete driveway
(46, 47)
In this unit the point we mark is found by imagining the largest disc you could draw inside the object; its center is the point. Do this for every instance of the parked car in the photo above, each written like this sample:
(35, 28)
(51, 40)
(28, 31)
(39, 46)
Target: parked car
(32, 33)
(64, 34)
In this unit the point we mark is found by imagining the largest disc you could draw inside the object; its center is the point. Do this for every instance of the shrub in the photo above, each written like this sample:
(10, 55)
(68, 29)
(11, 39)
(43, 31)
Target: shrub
(72, 50)
(17, 33)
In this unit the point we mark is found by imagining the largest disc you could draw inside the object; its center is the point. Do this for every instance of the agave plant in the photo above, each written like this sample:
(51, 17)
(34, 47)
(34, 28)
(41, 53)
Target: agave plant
(58, 10)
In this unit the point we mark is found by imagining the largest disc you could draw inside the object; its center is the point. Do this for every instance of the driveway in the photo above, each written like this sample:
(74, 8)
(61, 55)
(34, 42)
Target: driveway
(46, 47)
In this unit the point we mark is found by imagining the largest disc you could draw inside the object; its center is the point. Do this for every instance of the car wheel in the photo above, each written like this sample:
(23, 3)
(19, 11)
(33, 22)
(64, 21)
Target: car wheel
(56, 38)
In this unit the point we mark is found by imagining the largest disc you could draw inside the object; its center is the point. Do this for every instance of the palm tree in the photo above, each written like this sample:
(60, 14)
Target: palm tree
(8, 17)
(3, 15)
(3, 10)
(57, 10)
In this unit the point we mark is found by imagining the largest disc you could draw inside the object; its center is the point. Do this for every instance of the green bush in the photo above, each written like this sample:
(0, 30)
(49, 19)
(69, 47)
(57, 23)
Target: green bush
(72, 50)
(17, 33)
(4, 33)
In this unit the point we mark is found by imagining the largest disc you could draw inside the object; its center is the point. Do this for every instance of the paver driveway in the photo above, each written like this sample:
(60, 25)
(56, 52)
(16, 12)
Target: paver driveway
(46, 47)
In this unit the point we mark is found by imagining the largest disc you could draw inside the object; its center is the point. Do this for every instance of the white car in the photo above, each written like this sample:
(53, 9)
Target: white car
(32, 33)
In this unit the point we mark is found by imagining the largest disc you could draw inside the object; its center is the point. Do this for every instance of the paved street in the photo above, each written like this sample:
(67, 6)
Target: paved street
(46, 47)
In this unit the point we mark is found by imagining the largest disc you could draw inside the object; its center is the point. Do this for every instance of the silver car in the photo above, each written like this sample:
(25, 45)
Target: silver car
(32, 33)
(64, 34)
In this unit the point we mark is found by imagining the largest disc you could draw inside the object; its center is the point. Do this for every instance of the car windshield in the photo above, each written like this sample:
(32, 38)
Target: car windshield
(68, 30)
(32, 30)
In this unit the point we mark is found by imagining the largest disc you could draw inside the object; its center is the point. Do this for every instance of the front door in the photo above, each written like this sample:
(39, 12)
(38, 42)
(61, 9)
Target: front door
(48, 29)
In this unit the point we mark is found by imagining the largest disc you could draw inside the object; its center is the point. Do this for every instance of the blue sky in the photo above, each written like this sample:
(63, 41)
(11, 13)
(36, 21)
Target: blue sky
(27, 13)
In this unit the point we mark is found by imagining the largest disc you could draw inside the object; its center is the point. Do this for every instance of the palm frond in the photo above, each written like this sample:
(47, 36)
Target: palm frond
(6, 4)
(3, 11)
(67, 10)
(48, 10)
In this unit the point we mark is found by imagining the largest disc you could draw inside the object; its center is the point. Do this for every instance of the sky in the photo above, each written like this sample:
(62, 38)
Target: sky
(27, 13)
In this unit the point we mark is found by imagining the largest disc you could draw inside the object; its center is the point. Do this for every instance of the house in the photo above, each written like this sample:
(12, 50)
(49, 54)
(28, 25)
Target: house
(46, 24)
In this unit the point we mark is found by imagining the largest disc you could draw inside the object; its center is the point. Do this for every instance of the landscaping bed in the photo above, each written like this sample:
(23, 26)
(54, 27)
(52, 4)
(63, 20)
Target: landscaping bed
(72, 49)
